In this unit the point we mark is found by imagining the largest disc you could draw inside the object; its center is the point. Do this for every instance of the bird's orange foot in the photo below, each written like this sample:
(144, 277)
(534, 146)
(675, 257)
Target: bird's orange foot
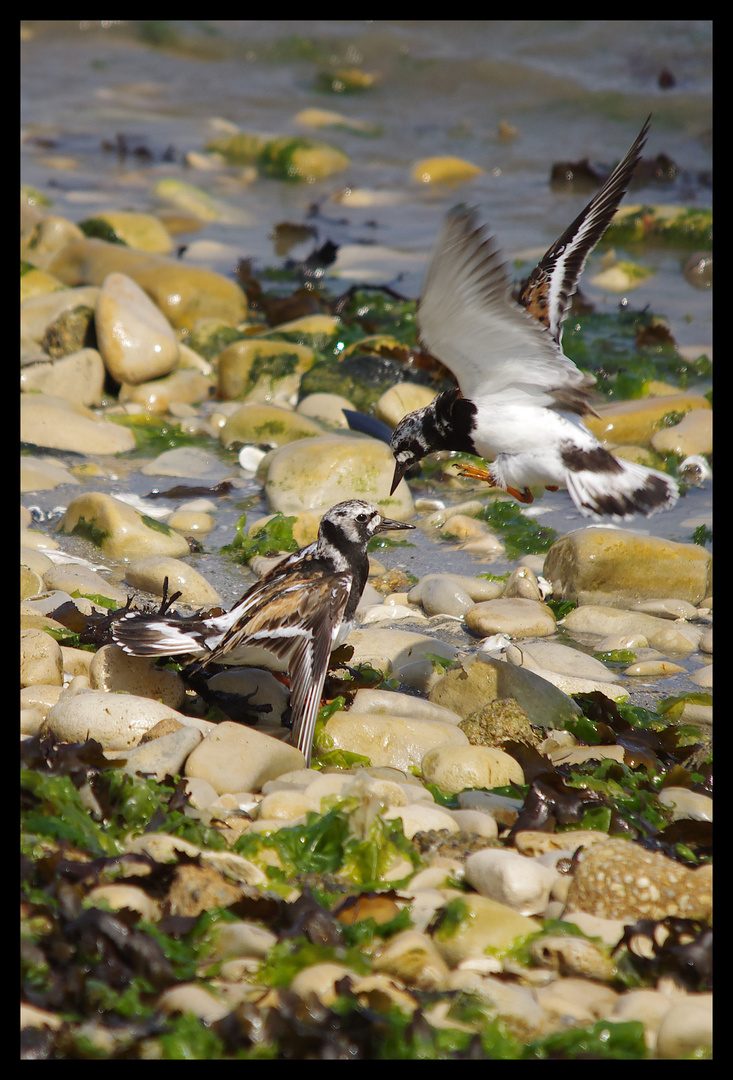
(475, 473)
(550, 487)
(523, 496)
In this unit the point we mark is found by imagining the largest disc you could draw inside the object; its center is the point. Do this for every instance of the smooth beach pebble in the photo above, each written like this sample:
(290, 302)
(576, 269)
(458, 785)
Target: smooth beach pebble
(453, 768)
(517, 617)
(521, 883)
(396, 741)
(47, 420)
(150, 573)
(117, 721)
(41, 660)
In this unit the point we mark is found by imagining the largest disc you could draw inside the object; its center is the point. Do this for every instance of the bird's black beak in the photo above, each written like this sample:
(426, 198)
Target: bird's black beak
(399, 472)
(389, 523)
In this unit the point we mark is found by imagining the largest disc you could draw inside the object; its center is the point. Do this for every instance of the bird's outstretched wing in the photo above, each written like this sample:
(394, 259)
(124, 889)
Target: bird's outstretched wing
(547, 292)
(468, 319)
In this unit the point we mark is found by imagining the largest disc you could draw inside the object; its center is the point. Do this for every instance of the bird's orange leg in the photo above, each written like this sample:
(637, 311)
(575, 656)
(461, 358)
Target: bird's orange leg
(550, 487)
(473, 472)
(523, 496)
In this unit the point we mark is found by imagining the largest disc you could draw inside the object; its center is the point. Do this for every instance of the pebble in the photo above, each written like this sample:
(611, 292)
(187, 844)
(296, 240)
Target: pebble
(543, 656)
(41, 660)
(328, 407)
(392, 650)
(636, 422)
(685, 803)
(71, 578)
(77, 377)
(523, 583)
(488, 924)
(573, 956)
(688, 1026)
(703, 677)
(693, 435)
(182, 292)
(187, 461)
(660, 633)
(396, 741)
(191, 522)
(169, 394)
(389, 703)
(193, 998)
(120, 531)
(43, 474)
(483, 680)
(117, 721)
(115, 672)
(399, 400)
(51, 421)
(456, 767)
(522, 884)
(117, 897)
(517, 617)
(258, 370)
(135, 339)
(150, 574)
(237, 758)
(653, 669)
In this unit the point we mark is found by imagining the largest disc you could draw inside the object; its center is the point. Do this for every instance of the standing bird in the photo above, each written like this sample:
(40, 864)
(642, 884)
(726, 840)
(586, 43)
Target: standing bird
(294, 617)
(519, 399)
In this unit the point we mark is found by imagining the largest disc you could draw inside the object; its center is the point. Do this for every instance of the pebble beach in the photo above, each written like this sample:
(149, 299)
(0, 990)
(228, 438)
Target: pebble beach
(503, 845)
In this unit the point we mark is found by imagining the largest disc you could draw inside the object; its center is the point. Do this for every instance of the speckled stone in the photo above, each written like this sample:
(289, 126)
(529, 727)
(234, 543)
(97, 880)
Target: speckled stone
(621, 880)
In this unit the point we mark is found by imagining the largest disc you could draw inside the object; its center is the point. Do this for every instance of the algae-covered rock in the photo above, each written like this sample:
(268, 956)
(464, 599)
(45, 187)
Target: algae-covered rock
(618, 568)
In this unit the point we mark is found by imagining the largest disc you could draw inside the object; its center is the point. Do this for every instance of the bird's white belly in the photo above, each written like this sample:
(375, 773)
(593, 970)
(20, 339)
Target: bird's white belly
(526, 429)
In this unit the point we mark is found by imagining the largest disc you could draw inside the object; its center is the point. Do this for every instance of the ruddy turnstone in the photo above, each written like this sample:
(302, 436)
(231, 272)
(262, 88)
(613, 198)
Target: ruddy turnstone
(293, 618)
(519, 399)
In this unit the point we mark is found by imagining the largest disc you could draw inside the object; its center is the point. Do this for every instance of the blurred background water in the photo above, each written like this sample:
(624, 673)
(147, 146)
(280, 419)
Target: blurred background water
(572, 89)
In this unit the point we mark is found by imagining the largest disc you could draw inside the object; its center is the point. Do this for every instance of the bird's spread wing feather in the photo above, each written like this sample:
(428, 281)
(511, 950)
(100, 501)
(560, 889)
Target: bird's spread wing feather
(548, 290)
(468, 319)
(309, 663)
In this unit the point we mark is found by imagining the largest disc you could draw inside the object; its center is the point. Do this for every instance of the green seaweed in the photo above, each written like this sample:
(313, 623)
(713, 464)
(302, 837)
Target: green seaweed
(271, 538)
(521, 534)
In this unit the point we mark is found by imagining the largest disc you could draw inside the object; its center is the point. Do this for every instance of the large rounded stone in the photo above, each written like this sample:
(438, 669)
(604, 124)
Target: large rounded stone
(150, 573)
(486, 923)
(117, 721)
(396, 741)
(183, 293)
(617, 568)
(467, 688)
(236, 758)
(635, 422)
(262, 424)
(319, 472)
(119, 530)
(622, 880)
(262, 370)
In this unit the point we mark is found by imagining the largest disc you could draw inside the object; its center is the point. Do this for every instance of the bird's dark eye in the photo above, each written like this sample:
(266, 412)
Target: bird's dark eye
(362, 517)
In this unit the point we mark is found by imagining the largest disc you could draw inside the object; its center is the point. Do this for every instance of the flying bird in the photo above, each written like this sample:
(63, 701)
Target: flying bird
(519, 402)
